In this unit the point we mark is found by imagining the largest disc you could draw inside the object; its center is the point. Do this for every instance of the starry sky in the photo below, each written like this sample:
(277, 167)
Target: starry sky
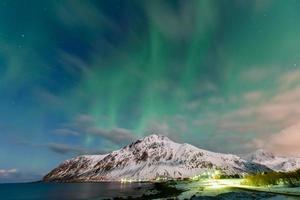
(80, 77)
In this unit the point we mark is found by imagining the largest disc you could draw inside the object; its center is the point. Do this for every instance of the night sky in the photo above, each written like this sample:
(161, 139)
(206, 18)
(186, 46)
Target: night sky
(80, 77)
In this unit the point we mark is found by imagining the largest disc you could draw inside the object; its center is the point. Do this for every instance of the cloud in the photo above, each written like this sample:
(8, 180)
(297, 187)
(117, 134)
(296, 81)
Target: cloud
(207, 86)
(84, 119)
(261, 115)
(253, 96)
(44, 96)
(255, 74)
(289, 79)
(81, 126)
(115, 135)
(65, 132)
(160, 128)
(172, 127)
(83, 14)
(14, 175)
(65, 149)
(7, 172)
(181, 23)
(73, 64)
(286, 142)
(262, 6)
(278, 111)
(84, 124)
(62, 148)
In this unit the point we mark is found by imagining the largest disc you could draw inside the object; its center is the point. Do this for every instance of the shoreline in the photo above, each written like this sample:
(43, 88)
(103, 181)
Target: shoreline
(269, 190)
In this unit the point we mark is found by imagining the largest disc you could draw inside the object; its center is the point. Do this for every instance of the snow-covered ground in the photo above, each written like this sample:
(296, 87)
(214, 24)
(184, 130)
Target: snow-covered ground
(221, 186)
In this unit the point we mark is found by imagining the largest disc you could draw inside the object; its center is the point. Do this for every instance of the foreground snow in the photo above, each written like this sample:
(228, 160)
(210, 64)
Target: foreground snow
(215, 188)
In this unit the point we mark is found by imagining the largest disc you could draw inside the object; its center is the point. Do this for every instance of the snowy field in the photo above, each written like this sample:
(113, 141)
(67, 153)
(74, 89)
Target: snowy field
(214, 188)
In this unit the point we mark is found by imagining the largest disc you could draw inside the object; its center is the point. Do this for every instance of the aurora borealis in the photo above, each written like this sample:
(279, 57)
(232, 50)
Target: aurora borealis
(91, 76)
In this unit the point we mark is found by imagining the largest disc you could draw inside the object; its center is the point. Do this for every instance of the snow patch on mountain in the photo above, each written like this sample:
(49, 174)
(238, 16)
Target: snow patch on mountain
(276, 163)
(150, 158)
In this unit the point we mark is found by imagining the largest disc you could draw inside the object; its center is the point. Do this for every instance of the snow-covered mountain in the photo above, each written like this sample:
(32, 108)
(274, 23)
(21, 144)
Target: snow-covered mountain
(276, 163)
(150, 158)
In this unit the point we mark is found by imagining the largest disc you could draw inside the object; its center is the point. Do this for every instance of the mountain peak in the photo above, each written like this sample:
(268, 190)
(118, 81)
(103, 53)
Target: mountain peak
(260, 155)
(155, 137)
(150, 140)
(264, 152)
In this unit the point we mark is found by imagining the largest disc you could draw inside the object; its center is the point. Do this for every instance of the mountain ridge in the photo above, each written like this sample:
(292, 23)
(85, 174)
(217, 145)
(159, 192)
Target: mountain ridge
(274, 162)
(151, 158)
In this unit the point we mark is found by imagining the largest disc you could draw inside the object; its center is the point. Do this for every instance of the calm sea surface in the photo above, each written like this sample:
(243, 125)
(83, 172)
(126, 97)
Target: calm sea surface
(66, 191)
(94, 191)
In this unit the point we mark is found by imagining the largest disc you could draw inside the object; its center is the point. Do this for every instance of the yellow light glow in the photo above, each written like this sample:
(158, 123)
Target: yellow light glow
(215, 185)
(124, 180)
(220, 183)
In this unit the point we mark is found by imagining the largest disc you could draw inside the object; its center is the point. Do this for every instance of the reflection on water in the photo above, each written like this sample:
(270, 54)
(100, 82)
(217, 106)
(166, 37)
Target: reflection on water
(68, 191)
(65, 191)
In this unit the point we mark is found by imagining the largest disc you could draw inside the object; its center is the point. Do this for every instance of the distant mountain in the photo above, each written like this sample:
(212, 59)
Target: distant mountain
(276, 163)
(148, 159)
